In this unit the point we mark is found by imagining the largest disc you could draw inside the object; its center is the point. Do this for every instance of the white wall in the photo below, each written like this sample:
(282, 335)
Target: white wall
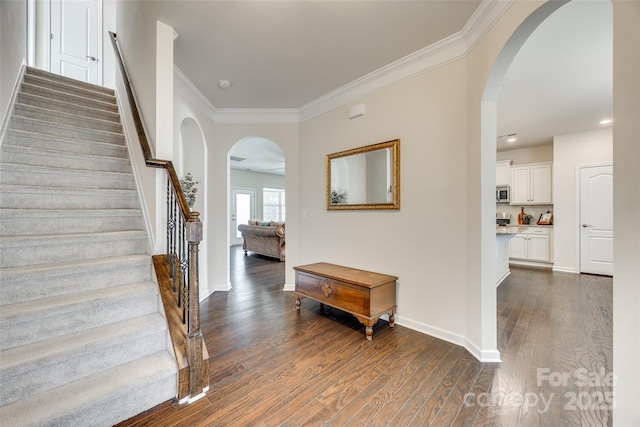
(136, 23)
(13, 49)
(543, 153)
(258, 182)
(109, 12)
(415, 242)
(569, 152)
(626, 200)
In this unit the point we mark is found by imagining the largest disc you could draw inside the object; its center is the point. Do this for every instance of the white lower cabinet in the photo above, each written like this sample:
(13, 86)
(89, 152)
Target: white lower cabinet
(533, 245)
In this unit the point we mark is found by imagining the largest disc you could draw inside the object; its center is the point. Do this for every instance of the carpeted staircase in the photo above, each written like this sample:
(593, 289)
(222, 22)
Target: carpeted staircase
(83, 341)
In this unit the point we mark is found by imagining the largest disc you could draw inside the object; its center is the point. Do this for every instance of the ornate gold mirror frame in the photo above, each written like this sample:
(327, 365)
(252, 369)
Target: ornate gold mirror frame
(365, 178)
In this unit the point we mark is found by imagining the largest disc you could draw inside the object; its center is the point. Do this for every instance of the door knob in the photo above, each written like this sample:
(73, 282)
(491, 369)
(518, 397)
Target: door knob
(93, 58)
(587, 225)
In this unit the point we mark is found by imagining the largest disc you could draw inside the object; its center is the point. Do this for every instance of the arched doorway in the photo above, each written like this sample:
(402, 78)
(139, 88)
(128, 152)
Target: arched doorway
(256, 184)
(191, 158)
(489, 135)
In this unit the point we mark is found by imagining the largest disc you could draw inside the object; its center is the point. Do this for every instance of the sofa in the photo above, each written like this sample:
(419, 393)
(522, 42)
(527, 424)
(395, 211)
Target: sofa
(264, 238)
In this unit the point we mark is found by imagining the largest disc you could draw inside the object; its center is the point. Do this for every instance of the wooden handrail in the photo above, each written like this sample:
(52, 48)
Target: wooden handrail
(188, 289)
(142, 135)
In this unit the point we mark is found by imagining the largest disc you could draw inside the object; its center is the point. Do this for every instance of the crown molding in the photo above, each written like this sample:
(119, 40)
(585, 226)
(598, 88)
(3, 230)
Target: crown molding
(257, 116)
(433, 56)
(483, 19)
(183, 85)
(428, 58)
(443, 52)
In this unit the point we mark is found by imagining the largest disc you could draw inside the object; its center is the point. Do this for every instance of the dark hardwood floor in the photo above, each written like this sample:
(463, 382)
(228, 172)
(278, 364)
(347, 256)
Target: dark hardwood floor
(271, 365)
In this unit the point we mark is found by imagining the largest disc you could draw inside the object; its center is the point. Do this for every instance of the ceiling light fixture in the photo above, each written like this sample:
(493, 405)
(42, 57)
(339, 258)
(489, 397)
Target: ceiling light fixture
(511, 137)
(224, 84)
(605, 121)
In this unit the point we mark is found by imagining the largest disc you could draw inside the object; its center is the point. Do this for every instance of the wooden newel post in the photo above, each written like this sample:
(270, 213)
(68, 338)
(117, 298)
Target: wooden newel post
(197, 379)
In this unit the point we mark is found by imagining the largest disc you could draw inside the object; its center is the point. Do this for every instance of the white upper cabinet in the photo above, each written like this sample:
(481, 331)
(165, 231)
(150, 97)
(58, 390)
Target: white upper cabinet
(503, 172)
(531, 184)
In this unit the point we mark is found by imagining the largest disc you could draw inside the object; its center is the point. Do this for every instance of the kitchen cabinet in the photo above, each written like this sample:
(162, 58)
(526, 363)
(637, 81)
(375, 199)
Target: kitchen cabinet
(531, 184)
(534, 245)
(503, 172)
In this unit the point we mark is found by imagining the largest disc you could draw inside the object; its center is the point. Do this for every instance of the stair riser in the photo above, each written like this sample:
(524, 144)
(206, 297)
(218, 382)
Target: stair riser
(36, 287)
(33, 225)
(124, 406)
(68, 88)
(49, 252)
(25, 139)
(66, 80)
(68, 98)
(66, 119)
(41, 376)
(52, 104)
(65, 178)
(13, 154)
(69, 200)
(56, 130)
(40, 328)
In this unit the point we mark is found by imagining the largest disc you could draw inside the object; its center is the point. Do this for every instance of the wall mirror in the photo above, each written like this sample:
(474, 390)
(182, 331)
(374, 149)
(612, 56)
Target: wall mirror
(364, 178)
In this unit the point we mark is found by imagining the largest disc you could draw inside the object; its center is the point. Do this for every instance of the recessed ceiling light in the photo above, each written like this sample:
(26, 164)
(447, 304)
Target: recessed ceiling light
(514, 139)
(605, 121)
(224, 84)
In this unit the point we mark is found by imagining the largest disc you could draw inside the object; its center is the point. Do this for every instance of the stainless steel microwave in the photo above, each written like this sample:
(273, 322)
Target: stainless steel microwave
(502, 194)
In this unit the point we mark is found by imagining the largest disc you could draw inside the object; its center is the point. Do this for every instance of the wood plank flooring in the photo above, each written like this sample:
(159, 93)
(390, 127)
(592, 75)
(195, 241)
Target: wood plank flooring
(271, 365)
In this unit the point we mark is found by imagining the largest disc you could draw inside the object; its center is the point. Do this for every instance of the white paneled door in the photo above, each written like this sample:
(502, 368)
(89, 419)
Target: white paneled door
(596, 220)
(243, 208)
(75, 35)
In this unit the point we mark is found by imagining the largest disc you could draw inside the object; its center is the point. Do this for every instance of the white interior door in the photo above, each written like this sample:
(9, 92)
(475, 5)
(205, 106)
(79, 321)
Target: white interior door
(596, 220)
(243, 208)
(75, 36)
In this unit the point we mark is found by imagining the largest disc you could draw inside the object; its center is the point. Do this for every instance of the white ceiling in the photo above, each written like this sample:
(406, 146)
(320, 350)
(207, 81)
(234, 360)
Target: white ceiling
(285, 54)
(561, 80)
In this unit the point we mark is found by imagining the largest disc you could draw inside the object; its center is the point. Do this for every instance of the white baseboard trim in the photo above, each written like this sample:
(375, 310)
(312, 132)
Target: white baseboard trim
(207, 294)
(222, 287)
(504, 276)
(561, 269)
(483, 355)
(289, 287)
(12, 100)
(531, 263)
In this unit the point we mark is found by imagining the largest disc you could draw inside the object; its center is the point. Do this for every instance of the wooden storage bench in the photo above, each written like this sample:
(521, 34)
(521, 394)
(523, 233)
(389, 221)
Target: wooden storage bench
(364, 294)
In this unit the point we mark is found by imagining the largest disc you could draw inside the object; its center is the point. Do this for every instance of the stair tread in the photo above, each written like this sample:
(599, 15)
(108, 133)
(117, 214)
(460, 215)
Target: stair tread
(58, 153)
(90, 121)
(84, 111)
(16, 241)
(9, 166)
(45, 75)
(39, 188)
(69, 303)
(48, 124)
(21, 213)
(52, 76)
(19, 133)
(61, 268)
(110, 105)
(82, 394)
(42, 351)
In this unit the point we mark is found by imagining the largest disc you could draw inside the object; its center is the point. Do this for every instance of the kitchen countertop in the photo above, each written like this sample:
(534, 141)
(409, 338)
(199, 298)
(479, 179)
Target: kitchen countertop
(511, 229)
